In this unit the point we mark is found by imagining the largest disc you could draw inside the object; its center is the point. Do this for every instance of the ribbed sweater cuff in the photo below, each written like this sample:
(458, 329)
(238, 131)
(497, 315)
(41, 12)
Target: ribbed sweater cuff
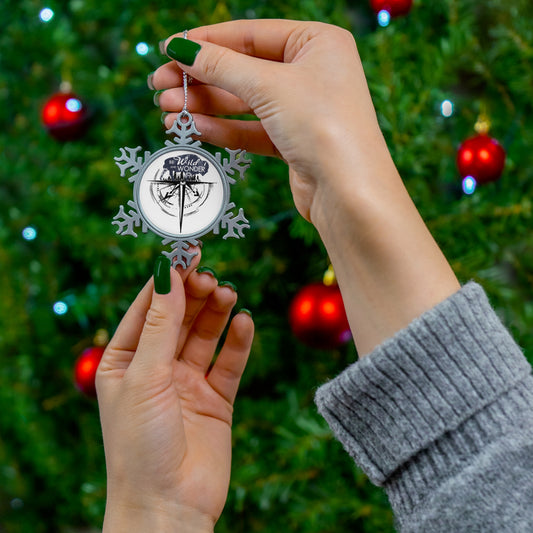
(428, 379)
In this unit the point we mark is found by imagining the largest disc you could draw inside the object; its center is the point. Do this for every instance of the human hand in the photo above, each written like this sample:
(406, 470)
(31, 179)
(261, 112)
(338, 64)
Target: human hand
(303, 80)
(305, 83)
(166, 415)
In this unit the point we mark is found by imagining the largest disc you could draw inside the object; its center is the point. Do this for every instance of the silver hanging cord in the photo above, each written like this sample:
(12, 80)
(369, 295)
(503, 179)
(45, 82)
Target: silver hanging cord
(184, 117)
(185, 82)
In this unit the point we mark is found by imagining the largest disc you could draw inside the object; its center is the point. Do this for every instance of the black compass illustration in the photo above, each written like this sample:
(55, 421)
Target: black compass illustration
(182, 191)
(180, 188)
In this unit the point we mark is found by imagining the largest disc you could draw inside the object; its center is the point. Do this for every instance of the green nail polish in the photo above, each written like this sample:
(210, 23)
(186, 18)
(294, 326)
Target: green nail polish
(232, 286)
(162, 275)
(149, 81)
(163, 117)
(183, 50)
(201, 270)
(156, 97)
(246, 311)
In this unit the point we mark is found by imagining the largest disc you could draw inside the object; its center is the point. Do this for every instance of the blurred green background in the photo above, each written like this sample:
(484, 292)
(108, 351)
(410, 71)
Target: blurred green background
(288, 472)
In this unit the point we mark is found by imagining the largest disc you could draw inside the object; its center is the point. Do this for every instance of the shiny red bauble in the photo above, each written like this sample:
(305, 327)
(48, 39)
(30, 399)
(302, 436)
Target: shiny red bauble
(395, 8)
(85, 370)
(65, 116)
(481, 157)
(317, 316)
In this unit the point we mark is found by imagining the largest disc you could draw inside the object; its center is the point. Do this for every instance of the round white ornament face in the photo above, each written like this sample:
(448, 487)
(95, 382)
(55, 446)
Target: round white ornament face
(181, 193)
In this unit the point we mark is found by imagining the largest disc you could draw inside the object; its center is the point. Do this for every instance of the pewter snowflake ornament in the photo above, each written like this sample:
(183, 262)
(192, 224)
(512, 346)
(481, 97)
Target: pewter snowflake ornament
(181, 192)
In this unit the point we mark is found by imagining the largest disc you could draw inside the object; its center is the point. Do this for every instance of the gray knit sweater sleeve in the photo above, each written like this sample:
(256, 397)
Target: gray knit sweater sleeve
(441, 416)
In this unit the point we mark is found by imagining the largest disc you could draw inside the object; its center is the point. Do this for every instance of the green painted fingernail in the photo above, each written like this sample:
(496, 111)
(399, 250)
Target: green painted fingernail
(201, 270)
(163, 117)
(246, 311)
(162, 275)
(149, 81)
(232, 286)
(183, 50)
(156, 97)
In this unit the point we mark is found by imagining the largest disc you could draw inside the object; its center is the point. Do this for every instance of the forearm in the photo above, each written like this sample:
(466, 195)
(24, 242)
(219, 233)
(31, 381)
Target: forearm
(160, 518)
(389, 267)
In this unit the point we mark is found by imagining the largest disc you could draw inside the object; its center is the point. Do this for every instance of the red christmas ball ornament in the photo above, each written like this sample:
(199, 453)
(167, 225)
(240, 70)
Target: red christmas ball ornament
(85, 370)
(65, 116)
(395, 8)
(481, 157)
(317, 316)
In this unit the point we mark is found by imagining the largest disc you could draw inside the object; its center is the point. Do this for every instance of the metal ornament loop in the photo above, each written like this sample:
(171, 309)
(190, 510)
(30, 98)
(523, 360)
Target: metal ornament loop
(185, 115)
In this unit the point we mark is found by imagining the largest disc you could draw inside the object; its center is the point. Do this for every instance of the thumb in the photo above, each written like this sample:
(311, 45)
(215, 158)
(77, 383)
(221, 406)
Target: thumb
(160, 333)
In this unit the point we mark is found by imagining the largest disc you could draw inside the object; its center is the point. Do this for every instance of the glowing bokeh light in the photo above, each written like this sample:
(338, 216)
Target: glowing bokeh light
(73, 105)
(446, 108)
(469, 185)
(328, 308)
(87, 366)
(29, 233)
(60, 308)
(467, 155)
(142, 49)
(306, 307)
(46, 14)
(484, 155)
(383, 18)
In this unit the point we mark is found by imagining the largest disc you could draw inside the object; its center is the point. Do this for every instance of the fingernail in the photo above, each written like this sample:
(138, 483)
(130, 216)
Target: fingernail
(201, 270)
(162, 275)
(232, 286)
(162, 46)
(163, 117)
(156, 97)
(183, 50)
(149, 81)
(246, 311)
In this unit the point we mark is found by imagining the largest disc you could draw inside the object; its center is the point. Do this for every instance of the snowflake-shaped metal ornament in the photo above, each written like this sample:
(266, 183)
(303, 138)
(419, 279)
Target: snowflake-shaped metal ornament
(181, 192)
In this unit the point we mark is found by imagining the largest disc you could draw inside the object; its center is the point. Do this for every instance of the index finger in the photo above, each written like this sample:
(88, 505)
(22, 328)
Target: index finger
(261, 38)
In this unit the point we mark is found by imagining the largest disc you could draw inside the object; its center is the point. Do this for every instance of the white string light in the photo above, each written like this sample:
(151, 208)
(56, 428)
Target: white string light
(469, 185)
(60, 308)
(446, 108)
(29, 233)
(46, 14)
(384, 18)
(142, 48)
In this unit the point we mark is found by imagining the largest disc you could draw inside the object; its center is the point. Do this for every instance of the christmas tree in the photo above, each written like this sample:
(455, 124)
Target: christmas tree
(433, 73)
